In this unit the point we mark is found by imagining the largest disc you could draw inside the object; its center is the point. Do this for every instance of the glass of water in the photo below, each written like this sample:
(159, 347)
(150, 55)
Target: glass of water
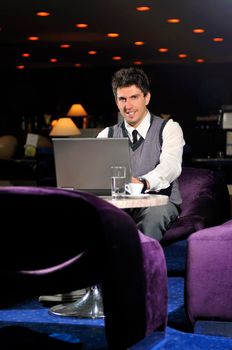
(118, 180)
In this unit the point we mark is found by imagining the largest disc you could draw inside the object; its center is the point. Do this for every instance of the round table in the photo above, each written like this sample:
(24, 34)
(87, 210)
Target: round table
(149, 200)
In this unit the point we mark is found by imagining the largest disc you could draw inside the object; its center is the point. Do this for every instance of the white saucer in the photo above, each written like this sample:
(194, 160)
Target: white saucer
(141, 195)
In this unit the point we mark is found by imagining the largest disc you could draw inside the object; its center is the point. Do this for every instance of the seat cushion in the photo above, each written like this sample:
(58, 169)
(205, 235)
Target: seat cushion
(209, 274)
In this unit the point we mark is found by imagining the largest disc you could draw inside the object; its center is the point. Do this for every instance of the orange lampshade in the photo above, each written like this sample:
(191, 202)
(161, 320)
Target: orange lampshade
(65, 127)
(77, 110)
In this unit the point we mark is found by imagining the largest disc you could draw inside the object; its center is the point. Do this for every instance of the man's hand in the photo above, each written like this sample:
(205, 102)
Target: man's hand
(136, 180)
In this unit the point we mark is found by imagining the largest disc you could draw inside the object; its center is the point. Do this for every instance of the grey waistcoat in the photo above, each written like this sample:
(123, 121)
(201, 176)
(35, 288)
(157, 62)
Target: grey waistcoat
(145, 154)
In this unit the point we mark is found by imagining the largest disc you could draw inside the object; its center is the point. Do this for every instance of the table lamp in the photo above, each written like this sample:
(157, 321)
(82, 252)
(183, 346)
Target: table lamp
(77, 110)
(64, 127)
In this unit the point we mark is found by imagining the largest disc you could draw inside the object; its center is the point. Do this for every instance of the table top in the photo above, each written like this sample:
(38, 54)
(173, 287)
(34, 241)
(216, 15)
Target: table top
(149, 200)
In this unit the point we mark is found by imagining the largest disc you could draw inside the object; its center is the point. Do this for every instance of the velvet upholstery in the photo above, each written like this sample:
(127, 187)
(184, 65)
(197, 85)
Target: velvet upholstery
(206, 203)
(209, 274)
(105, 248)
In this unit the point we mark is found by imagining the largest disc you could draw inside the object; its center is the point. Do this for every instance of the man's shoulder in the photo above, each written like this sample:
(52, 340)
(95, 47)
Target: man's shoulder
(104, 132)
(110, 130)
(171, 122)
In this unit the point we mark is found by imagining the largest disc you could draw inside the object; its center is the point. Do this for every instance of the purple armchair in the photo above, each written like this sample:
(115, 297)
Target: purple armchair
(206, 203)
(106, 248)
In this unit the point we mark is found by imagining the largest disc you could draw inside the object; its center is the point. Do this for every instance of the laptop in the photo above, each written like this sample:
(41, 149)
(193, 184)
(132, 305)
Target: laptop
(84, 163)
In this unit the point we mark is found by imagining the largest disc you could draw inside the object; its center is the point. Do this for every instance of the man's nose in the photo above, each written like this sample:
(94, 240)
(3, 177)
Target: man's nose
(128, 103)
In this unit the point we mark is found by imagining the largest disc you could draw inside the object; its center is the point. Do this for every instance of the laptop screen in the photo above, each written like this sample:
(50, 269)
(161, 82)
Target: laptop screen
(84, 163)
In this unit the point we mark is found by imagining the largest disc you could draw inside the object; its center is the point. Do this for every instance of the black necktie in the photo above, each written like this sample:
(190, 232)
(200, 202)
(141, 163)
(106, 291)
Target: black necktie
(134, 135)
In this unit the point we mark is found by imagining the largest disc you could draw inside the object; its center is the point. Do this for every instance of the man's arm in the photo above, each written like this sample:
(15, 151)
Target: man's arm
(170, 165)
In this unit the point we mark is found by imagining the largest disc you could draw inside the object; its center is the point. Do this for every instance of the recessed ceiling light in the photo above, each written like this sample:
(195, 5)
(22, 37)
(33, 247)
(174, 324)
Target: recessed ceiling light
(26, 54)
(20, 67)
(43, 14)
(138, 62)
(200, 60)
(198, 30)
(65, 46)
(81, 25)
(77, 65)
(163, 49)
(143, 8)
(116, 58)
(139, 43)
(53, 60)
(92, 52)
(218, 40)
(33, 38)
(173, 20)
(112, 35)
(182, 55)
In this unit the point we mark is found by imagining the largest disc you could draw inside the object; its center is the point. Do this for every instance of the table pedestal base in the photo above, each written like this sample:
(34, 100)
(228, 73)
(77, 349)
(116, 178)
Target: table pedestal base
(89, 306)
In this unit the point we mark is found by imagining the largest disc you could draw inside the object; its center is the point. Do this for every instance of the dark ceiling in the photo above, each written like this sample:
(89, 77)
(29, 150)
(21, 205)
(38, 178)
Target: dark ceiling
(18, 20)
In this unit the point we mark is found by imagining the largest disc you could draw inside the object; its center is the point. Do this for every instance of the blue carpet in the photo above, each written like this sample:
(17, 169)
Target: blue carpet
(175, 255)
(33, 315)
(178, 334)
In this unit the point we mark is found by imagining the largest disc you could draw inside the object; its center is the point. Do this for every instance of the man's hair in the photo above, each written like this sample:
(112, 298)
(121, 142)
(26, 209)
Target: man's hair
(126, 77)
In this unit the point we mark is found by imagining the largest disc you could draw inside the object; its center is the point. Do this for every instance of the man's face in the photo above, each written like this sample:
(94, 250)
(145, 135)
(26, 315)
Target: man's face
(132, 104)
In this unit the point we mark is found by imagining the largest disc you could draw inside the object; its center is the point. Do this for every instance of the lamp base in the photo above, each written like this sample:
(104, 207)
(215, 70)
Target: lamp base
(89, 306)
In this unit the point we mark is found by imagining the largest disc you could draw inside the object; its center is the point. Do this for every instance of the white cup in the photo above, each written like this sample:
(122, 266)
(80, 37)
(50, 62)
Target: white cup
(118, 179)
(134, 189)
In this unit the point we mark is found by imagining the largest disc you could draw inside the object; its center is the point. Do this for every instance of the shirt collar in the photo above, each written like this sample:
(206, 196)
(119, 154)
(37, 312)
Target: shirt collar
(142, 128)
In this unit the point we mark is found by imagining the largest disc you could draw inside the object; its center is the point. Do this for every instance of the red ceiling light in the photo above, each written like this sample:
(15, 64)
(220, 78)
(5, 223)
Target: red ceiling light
(92, 52)
(173, 20)
(81, 25)
(77, 65)
(138, 63)
(198, 30)
(163, 49)
(43, 14)
(200, 60)
(112, 35)
(182, 55)
(33, 38)
(53, 60)
(26, 54)
(116, 58)
(65, 46)
(143, 8)
(218, 40)
(20, 67)
(139, 43)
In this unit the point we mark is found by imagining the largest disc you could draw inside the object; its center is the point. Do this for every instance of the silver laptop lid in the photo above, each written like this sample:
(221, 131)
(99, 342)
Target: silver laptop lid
(84, 163)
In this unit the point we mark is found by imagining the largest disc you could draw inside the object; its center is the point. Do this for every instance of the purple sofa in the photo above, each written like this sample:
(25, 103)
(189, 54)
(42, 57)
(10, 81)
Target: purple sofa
(206, 203)
(105, 248)
(208, 298)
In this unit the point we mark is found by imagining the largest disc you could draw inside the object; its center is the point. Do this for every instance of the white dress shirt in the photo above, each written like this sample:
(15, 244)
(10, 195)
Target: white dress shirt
(170, 165)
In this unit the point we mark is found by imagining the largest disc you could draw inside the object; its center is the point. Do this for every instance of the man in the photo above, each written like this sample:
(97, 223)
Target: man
(155, 151)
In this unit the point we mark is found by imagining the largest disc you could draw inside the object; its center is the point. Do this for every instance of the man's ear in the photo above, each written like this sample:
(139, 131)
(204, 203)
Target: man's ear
(147, 98)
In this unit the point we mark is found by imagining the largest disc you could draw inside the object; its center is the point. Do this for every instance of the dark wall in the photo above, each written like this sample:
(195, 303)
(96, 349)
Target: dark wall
(185, 91)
